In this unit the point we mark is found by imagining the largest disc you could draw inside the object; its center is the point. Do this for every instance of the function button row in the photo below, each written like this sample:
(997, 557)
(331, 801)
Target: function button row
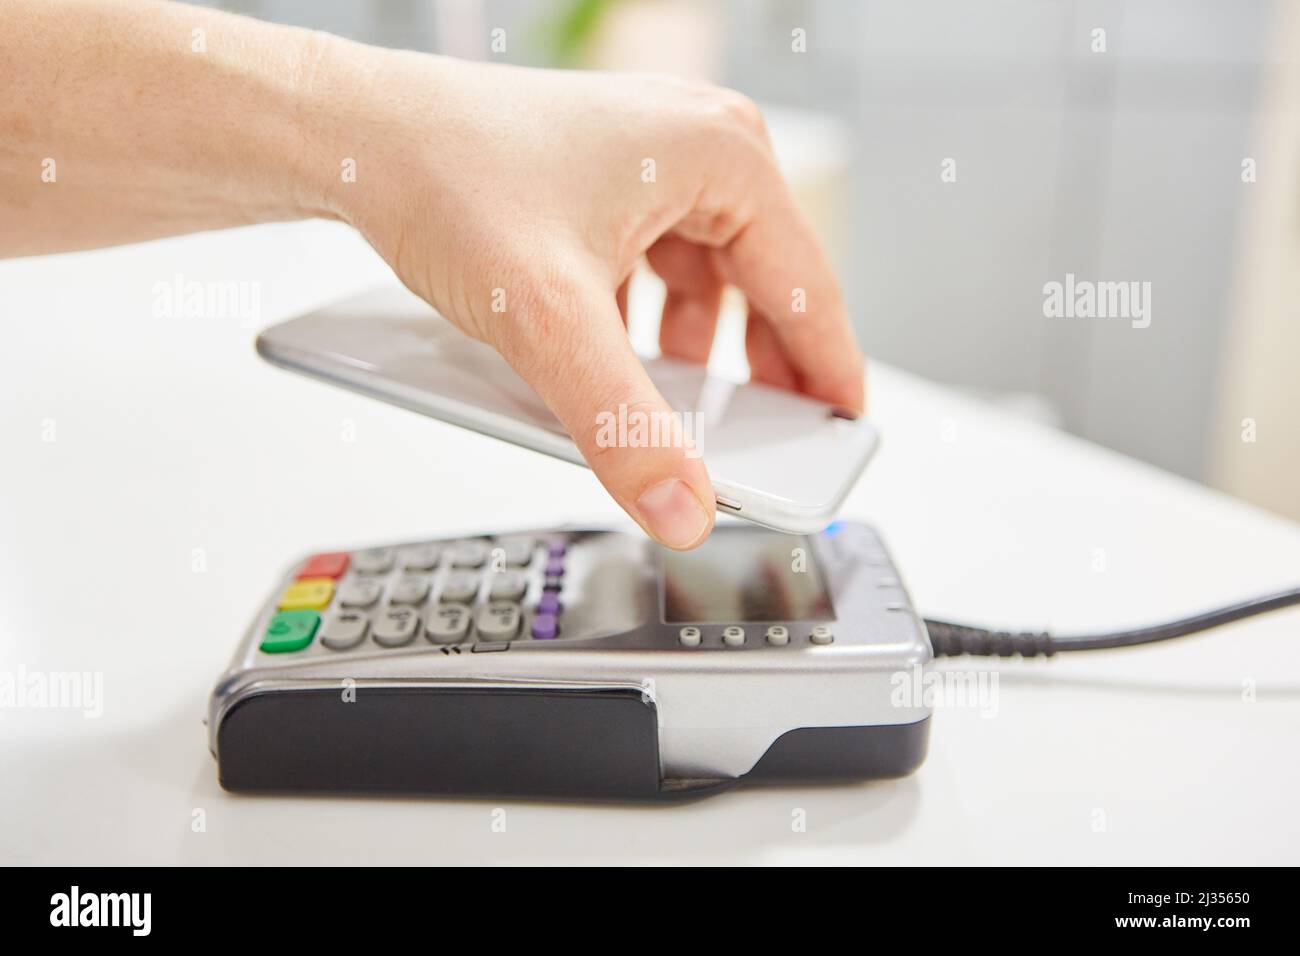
(734, 636)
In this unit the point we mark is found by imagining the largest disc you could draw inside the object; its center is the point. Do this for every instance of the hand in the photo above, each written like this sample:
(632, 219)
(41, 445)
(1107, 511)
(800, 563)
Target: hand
(519, 201)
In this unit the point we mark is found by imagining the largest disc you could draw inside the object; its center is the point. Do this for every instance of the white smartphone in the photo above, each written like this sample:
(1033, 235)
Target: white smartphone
(776, 458)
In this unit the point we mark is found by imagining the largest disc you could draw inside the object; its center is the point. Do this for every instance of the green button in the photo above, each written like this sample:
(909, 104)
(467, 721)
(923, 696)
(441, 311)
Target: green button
(290, 631)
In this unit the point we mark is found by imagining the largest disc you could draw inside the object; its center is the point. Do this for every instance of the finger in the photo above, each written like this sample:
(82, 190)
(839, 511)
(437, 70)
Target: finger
(621, 298)
(776, 260)
(694, 297)
(577, 356)
(767, 359)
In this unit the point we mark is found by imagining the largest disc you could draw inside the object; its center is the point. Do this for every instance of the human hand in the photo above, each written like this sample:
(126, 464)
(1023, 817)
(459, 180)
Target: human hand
(518, 202)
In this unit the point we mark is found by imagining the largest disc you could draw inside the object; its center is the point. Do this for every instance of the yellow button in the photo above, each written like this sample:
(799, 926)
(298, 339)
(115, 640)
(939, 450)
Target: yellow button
(309, 594)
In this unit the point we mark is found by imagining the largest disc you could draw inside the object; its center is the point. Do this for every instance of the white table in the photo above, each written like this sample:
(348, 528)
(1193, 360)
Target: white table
(169, 435)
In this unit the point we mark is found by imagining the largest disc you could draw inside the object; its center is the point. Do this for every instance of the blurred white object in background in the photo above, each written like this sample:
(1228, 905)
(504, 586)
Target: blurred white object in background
(461, 28)
(1256, 448)
(679, 37)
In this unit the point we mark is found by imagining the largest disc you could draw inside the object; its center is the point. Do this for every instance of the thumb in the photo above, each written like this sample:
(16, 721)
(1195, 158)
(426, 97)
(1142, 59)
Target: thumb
(577, 357)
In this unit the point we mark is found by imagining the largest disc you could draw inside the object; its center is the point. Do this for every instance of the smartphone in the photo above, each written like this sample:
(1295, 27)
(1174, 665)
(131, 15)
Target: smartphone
(777, 459)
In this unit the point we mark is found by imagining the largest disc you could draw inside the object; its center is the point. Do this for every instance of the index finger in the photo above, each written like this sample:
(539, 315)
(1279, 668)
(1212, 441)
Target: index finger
(777, 261)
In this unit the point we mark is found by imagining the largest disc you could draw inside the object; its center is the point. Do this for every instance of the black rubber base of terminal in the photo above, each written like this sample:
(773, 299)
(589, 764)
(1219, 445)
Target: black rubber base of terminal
(569, 745)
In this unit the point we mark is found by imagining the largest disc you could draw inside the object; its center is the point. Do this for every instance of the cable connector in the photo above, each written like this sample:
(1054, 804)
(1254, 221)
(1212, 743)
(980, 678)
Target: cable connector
(954, 640)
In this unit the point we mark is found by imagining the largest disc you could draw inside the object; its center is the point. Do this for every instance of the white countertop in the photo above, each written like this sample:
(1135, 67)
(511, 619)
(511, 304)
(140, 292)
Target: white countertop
(170, 435)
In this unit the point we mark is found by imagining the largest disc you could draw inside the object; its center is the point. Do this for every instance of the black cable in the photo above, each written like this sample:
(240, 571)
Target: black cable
(953, 640)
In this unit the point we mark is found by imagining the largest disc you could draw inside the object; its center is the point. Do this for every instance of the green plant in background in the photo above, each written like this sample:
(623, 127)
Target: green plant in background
(569, 30)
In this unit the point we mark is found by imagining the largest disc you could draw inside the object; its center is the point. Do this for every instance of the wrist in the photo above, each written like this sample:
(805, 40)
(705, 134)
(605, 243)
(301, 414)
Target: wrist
(327, 84)
(349, 117)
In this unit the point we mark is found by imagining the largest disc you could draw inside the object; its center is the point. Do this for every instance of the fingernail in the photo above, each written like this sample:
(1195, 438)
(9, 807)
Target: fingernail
(673, 514)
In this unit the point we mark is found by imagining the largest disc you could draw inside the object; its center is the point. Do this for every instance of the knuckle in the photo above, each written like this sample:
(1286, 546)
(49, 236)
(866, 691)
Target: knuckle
(731, 116)
(721, 113)
(714, 223)
(741, 111)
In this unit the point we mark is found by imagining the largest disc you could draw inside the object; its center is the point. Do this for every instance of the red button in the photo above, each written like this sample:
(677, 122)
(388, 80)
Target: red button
(331, 565)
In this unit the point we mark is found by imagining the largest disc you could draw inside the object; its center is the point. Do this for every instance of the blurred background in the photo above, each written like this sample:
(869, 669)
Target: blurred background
(957, 156)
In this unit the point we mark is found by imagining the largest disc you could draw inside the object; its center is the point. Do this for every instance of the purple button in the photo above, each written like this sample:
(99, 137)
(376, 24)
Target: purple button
(557, 549)
(545, 627)
(549, 604)
(554, 568)
(553, 584)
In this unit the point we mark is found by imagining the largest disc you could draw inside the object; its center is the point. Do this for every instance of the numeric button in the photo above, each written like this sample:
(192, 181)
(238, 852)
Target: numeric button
(361, 593)
(344, 631)
(396, 626)
(447, 624)
(374, 561)
(778, 634)
(821, 634)
(468, 554)
(733, 636)
(689, 637)
(507, 586)
(513, 552)
(410, 591)
(497, 621)
(421, 557)
(461, 586)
